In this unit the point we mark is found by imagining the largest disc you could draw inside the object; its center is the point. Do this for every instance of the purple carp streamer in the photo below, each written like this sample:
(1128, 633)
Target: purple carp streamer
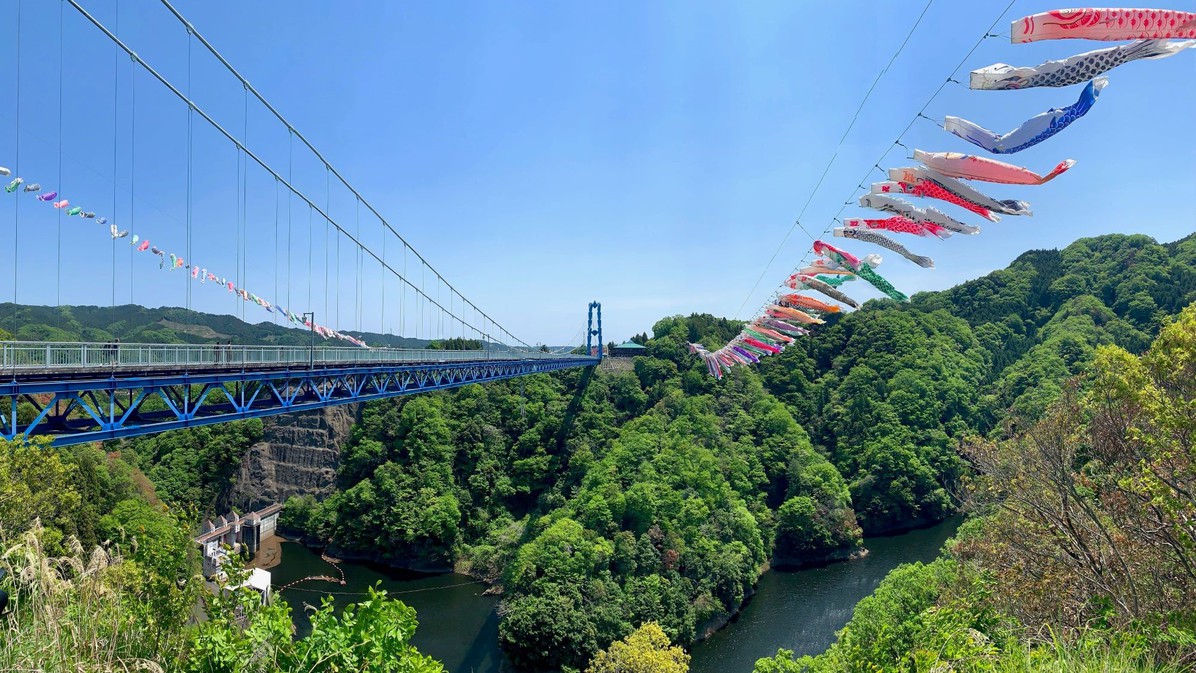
(1034, 130)
(892, 204)
(884, 242)
(1074, 69)
(972, 167)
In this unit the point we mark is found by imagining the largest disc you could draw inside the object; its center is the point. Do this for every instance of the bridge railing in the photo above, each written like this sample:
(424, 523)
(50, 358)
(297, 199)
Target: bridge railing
(18, 356)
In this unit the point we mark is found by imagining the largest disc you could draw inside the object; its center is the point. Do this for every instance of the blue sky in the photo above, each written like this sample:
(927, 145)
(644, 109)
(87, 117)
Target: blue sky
(648, 155)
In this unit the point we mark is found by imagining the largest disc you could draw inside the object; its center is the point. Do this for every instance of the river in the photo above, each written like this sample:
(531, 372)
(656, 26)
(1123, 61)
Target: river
(458, 626)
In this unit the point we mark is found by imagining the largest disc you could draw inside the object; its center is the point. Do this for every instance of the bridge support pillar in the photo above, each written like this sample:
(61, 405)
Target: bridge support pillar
(591, 331)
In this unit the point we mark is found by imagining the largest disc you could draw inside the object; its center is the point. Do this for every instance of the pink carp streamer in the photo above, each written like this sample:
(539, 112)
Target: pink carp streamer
(972, 167)
(922, 175)
(891, 204)
(787, 316)
(900, 225)
(931, 191)
(1104, 24)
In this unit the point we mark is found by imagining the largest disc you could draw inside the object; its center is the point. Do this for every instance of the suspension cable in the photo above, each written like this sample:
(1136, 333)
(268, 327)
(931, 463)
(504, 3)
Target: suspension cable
(190, 161)
(211, 49)
(115, 136)
(16, 208)
(920, 114)
(59, 186)
(276, 209)
(260, 162)
(328, 209)
(834, 155)
(132, 165)
(290, 161)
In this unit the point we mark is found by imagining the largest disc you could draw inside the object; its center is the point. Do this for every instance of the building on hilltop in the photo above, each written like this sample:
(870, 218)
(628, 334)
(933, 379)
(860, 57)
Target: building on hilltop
(628, 349)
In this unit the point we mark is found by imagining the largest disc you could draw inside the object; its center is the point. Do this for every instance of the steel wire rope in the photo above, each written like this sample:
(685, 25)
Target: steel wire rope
(16, 207)
(132, 167)
(338, 276)
(243, 223)
(327, 209)
(357, 280)
(290, 169)
(310, 246)
(876, 165)
(239, 236)
(59, 186)
(190, 161)
(383, 330)
(366, 593)
(211, 49)
(403, 298)
(834, 155)
(259, 161)
(115, 139)
(277, 209)
(80, 162)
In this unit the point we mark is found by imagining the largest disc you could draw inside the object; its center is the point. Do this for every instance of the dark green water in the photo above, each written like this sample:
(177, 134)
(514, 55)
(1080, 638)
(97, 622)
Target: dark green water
(458, 626)
(801, 610)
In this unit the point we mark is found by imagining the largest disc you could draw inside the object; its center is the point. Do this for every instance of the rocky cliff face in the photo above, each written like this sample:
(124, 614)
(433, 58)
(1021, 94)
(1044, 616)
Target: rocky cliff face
(298, 455)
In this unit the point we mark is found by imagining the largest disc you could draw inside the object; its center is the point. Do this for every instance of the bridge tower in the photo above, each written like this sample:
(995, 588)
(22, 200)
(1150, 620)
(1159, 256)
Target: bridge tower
(591, 332)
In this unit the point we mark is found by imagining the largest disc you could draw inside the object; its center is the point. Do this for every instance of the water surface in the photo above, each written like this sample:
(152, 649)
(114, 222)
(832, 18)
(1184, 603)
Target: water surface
(802, 610)
(458, 626)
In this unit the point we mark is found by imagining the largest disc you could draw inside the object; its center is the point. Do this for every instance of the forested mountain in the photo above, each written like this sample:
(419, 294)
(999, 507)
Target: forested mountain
(1079, 555)
(602, 501)
(888, 391)
(136, 324)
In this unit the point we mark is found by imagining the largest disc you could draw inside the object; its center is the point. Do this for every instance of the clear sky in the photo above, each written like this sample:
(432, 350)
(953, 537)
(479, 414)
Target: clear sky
(648, 155)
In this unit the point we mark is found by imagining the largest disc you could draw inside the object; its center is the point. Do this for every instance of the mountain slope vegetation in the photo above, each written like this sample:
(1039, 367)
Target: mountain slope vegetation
(603, 501)
(1080, 553)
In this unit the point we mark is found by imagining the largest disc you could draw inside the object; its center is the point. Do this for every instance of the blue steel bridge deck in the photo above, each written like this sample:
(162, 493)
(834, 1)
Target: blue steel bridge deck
(88, 392)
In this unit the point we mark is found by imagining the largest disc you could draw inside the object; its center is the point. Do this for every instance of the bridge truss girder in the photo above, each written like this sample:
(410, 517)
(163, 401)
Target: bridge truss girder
(87, 410)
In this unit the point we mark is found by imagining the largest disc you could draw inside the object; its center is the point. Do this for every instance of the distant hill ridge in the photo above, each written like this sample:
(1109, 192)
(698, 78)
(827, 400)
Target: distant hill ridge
(137, 324)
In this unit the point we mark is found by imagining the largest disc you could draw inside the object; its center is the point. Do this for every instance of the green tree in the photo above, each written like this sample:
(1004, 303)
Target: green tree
(646, 650)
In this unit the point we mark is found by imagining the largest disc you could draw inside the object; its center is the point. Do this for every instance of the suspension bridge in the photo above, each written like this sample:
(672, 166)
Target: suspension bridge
(76, 392)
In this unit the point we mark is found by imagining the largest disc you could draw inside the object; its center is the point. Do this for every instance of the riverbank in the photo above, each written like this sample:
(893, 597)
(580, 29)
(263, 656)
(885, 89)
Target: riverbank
(801, 610)
(269, 554)
(798, 610)
(458, 622)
